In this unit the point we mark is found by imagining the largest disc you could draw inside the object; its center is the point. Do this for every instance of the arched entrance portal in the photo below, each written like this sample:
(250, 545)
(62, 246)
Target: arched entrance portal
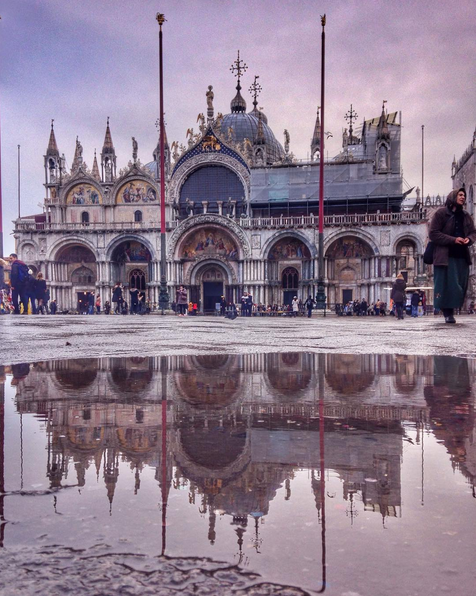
(131, 264)
(289, 270)
(211, 283)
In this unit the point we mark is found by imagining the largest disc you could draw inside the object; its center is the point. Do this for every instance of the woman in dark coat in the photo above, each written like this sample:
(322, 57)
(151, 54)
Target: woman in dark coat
(40, 293)
(398, 295)
(452, 231)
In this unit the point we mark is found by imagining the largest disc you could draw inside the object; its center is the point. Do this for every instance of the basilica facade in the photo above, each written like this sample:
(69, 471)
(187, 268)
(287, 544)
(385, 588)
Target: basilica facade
(241, 215)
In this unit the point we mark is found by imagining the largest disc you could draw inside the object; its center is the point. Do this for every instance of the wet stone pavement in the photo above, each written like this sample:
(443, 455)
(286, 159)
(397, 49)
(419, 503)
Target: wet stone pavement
(254, 470)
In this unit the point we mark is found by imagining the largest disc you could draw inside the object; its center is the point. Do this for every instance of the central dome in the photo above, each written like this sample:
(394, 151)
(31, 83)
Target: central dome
(245, 126)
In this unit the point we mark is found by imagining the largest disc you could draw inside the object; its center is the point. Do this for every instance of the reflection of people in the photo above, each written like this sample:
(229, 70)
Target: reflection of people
(398, 295)
(452, 231)
(449, 400)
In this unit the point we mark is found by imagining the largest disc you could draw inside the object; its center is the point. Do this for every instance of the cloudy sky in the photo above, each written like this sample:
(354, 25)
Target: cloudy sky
(80, 61)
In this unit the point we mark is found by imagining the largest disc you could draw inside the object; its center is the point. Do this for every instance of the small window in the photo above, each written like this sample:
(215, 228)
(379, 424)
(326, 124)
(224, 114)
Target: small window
(85, 217)
(137, 215)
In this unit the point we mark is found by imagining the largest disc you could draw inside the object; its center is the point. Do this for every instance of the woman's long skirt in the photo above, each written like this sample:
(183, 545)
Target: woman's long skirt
(451, 283)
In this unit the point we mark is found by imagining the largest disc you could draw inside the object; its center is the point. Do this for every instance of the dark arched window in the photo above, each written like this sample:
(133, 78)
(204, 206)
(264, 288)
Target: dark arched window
(212, 184)
(137, 215)
(85, 217)
(137, 279)
(290, 279)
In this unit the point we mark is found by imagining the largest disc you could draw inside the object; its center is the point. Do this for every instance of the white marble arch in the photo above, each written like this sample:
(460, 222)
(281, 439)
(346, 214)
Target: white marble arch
(268, 245)
(72, 240)
(354, 233)
(181, 233)
(128, 238)
(193, 274)
(411, 238)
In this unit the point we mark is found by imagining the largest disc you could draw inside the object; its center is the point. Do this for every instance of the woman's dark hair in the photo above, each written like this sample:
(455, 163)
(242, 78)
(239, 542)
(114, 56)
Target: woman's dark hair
(451, 198)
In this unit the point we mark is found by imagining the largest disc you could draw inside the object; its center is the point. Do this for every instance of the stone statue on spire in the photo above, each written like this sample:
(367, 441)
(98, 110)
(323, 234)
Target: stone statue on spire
(135, 149)
(210, 95)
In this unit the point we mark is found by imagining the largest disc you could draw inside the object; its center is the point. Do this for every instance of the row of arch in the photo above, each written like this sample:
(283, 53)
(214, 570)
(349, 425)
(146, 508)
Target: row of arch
(339, 244)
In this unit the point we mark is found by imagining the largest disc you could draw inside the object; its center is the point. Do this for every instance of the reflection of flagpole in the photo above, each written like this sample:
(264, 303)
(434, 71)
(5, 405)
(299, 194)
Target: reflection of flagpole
(163, 368)
(322, 486)
(2, 462)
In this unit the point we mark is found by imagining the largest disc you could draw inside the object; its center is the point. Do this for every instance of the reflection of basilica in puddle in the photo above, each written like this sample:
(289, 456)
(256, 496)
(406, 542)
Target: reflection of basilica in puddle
(234, 430)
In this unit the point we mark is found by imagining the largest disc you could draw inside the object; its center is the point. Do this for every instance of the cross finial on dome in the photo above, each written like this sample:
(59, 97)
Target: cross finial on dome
(255, 89)
(238, 68)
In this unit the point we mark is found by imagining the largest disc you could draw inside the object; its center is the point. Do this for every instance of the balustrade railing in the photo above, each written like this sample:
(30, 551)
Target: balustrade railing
(254, 223)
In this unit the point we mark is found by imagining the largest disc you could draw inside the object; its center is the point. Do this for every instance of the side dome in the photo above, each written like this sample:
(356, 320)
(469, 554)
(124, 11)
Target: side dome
(245, 126)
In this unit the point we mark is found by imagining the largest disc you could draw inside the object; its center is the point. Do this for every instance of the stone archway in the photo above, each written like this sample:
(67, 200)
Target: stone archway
(130, 263)
(289, 269)
(76, 267)
(210, 280)
(348, 268)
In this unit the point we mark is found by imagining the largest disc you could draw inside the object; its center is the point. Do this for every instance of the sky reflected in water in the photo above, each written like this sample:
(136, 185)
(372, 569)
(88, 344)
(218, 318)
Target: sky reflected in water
(351, 472)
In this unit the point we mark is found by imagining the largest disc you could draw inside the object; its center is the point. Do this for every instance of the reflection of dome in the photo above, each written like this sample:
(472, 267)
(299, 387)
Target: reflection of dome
(77, 374)
(131, 375)
(288, 375)
(348, 374)
(245, 126)
(208, 380)
(215, 447)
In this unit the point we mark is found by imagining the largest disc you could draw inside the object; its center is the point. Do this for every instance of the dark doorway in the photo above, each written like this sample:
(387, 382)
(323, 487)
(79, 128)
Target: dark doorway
(83, 302)
(212, 293)
(288, 296)
(346, 296)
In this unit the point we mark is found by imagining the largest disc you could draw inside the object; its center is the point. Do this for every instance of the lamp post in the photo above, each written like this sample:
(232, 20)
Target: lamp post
(163, 293)
(321, 296)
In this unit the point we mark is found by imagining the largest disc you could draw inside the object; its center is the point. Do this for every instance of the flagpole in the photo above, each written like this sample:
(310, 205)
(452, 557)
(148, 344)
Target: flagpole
(321, 296)
(163, 294)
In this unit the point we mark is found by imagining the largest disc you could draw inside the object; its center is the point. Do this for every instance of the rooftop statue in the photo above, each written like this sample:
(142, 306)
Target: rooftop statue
(134, 149)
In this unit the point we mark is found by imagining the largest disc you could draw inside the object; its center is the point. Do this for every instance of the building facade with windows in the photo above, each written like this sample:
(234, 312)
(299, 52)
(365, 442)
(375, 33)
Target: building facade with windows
(241, 215)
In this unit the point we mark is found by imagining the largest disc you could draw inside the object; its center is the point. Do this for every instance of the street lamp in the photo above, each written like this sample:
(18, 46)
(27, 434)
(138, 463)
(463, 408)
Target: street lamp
(163, 293)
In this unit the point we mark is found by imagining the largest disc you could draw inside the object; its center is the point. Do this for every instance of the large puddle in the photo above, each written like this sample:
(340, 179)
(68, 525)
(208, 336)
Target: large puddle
(349, 473)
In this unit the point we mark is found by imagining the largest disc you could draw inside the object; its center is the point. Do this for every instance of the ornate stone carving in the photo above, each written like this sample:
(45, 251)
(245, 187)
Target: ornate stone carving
(200, 220)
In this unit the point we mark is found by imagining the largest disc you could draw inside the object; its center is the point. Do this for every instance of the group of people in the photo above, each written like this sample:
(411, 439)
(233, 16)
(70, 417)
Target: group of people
(25, 293)
(138, 304)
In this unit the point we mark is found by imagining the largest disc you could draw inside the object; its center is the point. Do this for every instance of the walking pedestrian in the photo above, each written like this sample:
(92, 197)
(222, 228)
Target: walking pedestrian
(295, 306)
(309, 304)
(398, 295)
(452, 231)
(53, 307)
(18, 279)
(117, 298)
(40, 293)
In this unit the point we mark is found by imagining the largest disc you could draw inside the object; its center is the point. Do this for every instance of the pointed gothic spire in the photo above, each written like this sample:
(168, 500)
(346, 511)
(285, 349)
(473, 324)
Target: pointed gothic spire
(78, 156)
(95, 171)
(383, 132)
(52, 146)
(108, 146)
(316, 137)
(108, 157)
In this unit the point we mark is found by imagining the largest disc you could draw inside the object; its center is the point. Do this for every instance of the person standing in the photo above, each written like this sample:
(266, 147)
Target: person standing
(181, 301)
(295, 306)
(53, 307)
(18, 279)
(98, 304)
(415, 299)
(223, 305)
(309, 304)
(117, 298)
(398, 295)
(134, 294)
(90, 303)
(40, 293)
(249, 304)
(452, 232)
